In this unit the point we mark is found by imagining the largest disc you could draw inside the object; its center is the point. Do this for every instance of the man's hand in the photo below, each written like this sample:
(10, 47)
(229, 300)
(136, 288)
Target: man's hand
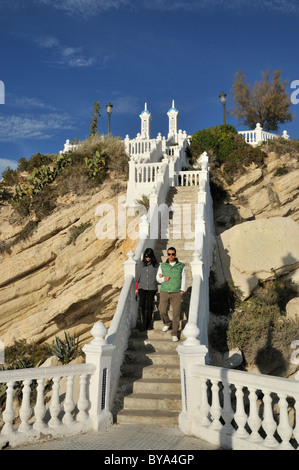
(166, 278)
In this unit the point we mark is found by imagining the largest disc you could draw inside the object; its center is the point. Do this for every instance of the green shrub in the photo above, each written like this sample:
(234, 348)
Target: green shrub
(259, 326)
(221, 140)
(10, 176)
(35, 161)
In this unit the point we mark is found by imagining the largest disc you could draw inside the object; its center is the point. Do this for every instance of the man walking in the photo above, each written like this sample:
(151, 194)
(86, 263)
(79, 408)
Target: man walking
(172, 277)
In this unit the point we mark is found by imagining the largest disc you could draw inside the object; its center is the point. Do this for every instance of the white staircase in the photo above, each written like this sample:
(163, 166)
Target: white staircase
(149, 388)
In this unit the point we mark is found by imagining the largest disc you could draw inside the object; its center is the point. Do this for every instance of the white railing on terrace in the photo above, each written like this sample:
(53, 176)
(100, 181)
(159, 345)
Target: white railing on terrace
(147, 172)
(258, 135)
(145, 150)
(241, 410)
(187, 178)
(65, 414)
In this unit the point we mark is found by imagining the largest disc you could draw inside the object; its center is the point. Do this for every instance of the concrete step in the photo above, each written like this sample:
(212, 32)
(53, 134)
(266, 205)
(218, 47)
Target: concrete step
(138, 371)
(153, 385)
(153, 401)
(156, 358)
(148, 417)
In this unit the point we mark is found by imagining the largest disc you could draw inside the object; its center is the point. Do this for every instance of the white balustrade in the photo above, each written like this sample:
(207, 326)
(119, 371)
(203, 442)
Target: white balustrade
(188, 178)
(258, 135)
(242, 410)
(62, 416)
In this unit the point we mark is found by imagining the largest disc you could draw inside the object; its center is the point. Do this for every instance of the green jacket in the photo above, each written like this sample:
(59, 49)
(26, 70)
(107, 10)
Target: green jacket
(175, 274)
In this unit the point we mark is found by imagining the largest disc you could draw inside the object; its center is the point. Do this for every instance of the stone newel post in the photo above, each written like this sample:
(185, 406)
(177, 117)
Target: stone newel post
(99, 353)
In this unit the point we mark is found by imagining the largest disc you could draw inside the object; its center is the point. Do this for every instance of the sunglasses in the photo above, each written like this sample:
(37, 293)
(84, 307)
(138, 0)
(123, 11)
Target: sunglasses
(170, 254)
(148, 256)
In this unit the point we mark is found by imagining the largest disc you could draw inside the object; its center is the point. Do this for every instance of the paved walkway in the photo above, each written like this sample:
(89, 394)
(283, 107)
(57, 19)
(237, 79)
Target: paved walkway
(126, 437)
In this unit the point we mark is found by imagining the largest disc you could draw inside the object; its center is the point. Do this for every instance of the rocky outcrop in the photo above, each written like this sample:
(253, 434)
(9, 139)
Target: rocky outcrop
(259, 250)
(51, 284)
(270, 192)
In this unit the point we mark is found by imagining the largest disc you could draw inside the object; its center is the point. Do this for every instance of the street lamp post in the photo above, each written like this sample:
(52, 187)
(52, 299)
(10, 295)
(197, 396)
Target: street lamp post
(109, 107)
(222, 97)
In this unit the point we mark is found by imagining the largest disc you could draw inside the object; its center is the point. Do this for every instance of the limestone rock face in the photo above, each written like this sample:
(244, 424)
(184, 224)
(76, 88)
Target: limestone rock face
(258, 250)
(269, 192)
(49, 285)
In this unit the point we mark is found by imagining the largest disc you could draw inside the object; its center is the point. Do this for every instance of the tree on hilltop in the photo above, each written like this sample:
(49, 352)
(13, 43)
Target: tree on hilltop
(95, 116)
(266, 102)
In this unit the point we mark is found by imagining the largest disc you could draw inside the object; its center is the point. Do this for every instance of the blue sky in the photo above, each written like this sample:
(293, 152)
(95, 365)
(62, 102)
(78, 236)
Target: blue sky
(57, 57)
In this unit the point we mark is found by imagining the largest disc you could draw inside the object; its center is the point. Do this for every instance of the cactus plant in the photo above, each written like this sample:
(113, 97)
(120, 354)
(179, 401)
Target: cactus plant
(65, 350)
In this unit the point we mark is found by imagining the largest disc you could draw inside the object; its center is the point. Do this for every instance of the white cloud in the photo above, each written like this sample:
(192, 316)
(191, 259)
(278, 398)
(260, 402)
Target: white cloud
(63, 55)
(25, 102)
(87, 8)
(29, 127)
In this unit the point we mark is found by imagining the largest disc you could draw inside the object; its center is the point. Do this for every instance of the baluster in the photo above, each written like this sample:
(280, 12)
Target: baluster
(83, 401)
(227, 411)
(284, 428)
(69, 404)
(240, 414)
(204, 407)
(25, 410)
(8, 414)
(215, 407)
(269, 424)
(55, 406)
(40, 408)
(254, 420)
(296, 417)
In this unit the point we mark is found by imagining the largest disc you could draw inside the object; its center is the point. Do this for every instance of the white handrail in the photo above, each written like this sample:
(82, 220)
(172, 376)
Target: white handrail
(246, 410)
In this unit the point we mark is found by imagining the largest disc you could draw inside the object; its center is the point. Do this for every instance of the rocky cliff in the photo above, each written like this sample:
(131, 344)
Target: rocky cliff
(257, 228)
(53, 280)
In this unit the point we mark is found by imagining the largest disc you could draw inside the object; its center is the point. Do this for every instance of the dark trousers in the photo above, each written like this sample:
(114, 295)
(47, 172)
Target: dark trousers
(146, 302)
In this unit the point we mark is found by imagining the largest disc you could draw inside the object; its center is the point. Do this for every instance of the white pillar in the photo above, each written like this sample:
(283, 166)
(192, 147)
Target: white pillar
(99, 353)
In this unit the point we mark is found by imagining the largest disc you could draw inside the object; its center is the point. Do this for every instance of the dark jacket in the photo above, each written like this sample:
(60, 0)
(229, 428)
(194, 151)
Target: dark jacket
(146, 276)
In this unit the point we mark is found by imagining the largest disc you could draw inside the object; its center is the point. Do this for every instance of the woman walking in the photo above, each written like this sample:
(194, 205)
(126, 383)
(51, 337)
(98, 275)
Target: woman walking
(146, 287)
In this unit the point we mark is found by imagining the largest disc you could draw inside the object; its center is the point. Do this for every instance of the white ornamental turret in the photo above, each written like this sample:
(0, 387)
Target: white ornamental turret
(173, 115)
(146, 118)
